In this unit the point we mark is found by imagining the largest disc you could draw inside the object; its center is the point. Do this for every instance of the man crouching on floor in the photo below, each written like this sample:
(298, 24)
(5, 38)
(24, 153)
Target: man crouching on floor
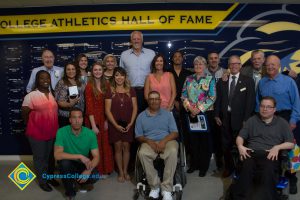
(74, 143)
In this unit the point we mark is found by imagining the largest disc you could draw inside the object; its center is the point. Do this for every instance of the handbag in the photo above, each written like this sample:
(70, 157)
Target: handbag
(294, 159)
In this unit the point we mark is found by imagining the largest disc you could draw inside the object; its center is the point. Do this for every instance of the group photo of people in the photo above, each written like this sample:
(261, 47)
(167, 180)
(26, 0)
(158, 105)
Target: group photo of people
(93, 120)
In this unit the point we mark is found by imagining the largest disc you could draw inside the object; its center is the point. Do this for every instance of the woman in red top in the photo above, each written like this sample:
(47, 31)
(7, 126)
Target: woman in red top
(95, 117)
(39, 111)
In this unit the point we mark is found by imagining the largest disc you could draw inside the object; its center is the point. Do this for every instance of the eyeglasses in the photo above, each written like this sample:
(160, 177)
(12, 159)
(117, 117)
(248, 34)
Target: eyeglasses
(266, 107)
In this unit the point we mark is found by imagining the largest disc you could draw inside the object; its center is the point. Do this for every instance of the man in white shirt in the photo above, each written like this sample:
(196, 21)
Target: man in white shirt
(137, 61)
(54, 71)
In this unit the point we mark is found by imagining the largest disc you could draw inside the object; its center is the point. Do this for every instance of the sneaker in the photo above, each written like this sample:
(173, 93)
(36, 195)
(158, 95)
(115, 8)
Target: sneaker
(166, 195)
(154, 193)
(84, 188)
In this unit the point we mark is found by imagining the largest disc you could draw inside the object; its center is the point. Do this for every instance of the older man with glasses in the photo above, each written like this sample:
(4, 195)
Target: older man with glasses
(234, 105)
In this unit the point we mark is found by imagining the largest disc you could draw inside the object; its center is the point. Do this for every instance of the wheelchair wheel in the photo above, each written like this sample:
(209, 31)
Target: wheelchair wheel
(138, 172)
(177, 195)
(139, 194)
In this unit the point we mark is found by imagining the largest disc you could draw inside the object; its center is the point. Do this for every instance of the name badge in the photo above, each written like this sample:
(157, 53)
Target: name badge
(242, 89)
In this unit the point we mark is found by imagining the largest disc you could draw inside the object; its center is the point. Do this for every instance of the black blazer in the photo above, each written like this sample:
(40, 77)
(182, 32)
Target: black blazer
(243, 101)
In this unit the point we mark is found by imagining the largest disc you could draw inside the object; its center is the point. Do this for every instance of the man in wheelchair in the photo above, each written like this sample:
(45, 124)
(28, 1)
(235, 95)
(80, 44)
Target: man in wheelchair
(265, 135)
(156, 130)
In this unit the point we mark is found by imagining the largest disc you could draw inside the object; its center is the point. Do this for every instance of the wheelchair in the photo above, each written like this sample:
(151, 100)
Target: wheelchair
(179, 180)
(281, 187)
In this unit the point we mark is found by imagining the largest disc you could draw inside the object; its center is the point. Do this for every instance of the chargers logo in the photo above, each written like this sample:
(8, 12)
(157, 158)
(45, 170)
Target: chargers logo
(21, 176)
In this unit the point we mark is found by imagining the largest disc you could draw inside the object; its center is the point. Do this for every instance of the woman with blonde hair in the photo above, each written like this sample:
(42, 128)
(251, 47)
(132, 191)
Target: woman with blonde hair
(198, 96)
(121, 111)
(95, 116)
(110, 63)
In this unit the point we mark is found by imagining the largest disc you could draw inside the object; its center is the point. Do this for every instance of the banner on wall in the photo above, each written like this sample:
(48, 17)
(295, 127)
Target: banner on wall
(113, 21)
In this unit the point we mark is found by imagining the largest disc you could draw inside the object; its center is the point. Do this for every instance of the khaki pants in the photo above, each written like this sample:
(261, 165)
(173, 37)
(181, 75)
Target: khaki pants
(147, 155)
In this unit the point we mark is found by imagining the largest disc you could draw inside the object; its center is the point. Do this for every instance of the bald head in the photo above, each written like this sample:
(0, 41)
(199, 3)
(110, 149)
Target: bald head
(273, 65)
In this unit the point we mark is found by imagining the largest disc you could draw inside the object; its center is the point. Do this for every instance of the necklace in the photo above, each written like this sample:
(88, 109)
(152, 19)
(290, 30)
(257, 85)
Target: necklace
(121, 98)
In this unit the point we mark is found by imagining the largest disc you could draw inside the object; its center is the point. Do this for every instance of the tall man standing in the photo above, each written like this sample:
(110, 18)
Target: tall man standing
(54, 71)
(234, 105)
(137, 61)
(284, 90)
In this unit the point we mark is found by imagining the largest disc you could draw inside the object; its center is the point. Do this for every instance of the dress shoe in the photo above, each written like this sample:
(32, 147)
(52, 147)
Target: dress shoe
(202, 174)
(293, 188)
(45, 187)
(191, 170)
(53, 182)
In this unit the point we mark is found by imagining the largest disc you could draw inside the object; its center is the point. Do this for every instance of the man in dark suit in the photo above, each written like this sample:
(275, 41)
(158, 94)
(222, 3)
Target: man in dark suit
(234, 105)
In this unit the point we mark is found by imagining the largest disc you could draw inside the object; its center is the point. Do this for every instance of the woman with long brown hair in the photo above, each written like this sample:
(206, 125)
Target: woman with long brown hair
(95, 117)
(82, 64)
(69, 93)
(161, 81)
(121, 111)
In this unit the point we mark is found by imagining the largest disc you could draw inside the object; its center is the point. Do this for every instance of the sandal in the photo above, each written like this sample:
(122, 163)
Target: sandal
(127, 177)
(121, 179)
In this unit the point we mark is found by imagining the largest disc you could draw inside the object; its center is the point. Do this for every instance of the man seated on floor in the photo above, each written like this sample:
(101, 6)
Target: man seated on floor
(265, 135)
(74, 143)
(156, 130)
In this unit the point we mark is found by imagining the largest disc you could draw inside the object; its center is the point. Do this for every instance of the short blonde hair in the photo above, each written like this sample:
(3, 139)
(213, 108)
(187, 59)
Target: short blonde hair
(109, 56)
(200, 59)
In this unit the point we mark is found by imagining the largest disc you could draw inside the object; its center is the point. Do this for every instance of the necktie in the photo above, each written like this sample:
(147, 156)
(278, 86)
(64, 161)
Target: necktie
(256, 77)
(231, 89)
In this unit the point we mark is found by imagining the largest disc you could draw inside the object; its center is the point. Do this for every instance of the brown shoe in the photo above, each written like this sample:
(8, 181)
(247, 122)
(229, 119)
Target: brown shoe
(226, 173)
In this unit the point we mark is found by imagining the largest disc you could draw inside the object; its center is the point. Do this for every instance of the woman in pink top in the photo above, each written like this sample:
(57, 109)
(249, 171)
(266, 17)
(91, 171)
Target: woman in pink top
(39, 111)
(161, 81)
